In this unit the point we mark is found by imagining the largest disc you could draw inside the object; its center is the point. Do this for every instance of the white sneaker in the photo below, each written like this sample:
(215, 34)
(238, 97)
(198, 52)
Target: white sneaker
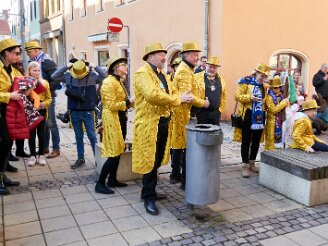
(42, 161)
(32, 161)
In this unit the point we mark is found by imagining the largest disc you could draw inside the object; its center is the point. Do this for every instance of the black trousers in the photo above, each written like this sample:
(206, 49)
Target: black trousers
(178, 164)
(5, 146)
(149, 180)
(209, 117)
(250, 143)
(19, 146)
(111, 165)
(40, 131)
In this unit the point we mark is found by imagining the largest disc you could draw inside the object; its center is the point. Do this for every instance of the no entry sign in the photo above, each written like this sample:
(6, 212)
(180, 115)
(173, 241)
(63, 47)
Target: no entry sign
(115, 25)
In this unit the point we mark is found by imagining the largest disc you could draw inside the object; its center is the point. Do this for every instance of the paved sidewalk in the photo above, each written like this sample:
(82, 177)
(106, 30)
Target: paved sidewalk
(58, 206)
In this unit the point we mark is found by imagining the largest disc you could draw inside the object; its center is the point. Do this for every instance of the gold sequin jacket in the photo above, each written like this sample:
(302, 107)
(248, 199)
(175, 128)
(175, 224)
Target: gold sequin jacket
(113, 97)
(151, 103)
(5, 83)
(184, 80)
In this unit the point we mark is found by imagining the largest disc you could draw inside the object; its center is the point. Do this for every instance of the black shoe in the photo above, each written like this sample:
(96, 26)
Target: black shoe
(78, 163)
(317, 132)
(115, 183)
(151, 207)
(174, 179)
(22, 154)
(12, 157)
(11, 169)
(3, 189)
(103, 189)
(8, 182)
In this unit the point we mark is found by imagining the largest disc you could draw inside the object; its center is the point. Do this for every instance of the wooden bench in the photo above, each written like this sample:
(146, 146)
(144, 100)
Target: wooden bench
(124, 172)
(296, 174)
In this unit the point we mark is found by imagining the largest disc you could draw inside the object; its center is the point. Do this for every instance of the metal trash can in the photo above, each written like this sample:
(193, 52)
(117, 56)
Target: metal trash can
(203, 160)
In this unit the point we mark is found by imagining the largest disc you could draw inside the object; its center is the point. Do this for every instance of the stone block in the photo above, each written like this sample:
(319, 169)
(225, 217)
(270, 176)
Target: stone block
(124, 172)
(304, 191)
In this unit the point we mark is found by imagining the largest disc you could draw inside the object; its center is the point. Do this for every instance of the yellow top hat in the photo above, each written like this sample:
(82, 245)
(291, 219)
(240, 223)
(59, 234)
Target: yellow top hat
(190, 46)
(31, 45)
(8, 43)
(152, 48)
(213, 61)
(112, 61)
(275, 82)
(311, 104)
(263, 68)
(79, 70)
(177, 61)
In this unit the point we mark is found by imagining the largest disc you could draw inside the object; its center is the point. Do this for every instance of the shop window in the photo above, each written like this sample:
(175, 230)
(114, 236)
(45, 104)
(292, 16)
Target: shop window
(103, 56)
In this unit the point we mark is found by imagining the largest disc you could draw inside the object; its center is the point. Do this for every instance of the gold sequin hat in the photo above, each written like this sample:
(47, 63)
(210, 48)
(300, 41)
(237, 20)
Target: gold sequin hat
(275, 82)
(263, 68)
(112, 61)
(8, 43)
(213, 61)
(190, 46)
(152, 48)
(311, 104)
(31, 45)
(177, 61)
(79, 70)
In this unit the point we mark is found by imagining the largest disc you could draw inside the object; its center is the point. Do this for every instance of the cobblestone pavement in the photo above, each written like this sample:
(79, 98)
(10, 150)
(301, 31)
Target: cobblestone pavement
(58, 206)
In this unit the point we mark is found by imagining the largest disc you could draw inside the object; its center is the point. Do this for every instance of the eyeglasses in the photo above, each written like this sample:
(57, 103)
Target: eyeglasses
(17, 53)
(123, 64)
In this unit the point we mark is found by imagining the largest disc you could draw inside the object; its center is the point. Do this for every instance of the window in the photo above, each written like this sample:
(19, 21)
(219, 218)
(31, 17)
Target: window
(71, 12)
(103, 56)
(99, 5)
(285, 62)
(120, 2)
(35, 16)
(83, 55)
(31, 11)
(83, 8)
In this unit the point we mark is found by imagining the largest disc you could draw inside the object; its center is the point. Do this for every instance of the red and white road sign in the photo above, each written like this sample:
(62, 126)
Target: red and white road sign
(114, 25)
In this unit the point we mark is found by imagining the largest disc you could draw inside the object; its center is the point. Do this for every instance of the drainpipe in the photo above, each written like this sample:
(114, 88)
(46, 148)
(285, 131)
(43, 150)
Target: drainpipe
(206, 22)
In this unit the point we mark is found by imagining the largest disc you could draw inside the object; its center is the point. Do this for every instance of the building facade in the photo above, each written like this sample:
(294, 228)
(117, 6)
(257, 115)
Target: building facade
(53, 29)
(241, 32)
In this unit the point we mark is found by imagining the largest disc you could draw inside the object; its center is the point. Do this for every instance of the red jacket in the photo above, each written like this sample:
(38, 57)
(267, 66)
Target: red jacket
(16, 119)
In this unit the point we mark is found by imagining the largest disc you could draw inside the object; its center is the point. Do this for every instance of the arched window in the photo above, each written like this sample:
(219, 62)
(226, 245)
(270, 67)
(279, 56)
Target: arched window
(284, 62)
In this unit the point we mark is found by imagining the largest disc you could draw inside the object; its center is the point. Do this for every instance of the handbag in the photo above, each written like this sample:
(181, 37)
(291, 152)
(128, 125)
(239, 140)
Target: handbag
(236, 120)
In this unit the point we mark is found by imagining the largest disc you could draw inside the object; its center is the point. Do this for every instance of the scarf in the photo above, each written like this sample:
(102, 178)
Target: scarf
(278, 124)
(33, 117)
(257, 107)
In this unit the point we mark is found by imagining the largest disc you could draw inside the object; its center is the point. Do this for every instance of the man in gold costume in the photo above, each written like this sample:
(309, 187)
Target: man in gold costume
(184, 80)
(154, 97)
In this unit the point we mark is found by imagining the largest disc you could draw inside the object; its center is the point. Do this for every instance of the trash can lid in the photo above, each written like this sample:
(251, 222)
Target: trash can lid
(203, 127)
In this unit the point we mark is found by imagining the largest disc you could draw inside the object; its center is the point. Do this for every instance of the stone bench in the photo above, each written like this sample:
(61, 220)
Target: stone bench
(124, 172)
(298, 175)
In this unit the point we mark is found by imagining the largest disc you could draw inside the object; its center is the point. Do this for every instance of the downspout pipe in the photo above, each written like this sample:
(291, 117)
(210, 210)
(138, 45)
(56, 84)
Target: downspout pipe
(206, 27)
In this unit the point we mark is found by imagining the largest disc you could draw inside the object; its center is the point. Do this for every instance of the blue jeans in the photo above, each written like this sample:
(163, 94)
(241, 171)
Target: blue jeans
(87, 117)
(320, 146)
(52, 127)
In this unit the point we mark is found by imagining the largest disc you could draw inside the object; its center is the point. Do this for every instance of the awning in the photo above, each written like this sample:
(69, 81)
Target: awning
(4, 28)
(98, 37)
(51, 34)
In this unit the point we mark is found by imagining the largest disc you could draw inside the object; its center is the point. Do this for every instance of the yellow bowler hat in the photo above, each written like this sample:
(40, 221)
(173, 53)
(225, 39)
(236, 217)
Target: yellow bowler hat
(152, 48)
(263, 68)
(275, 82)
(8, 43)
(112, 61)
(311, 104)
(79, 70)
(177, 61)
(213, 61)
(190, 46)
(31, 45)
